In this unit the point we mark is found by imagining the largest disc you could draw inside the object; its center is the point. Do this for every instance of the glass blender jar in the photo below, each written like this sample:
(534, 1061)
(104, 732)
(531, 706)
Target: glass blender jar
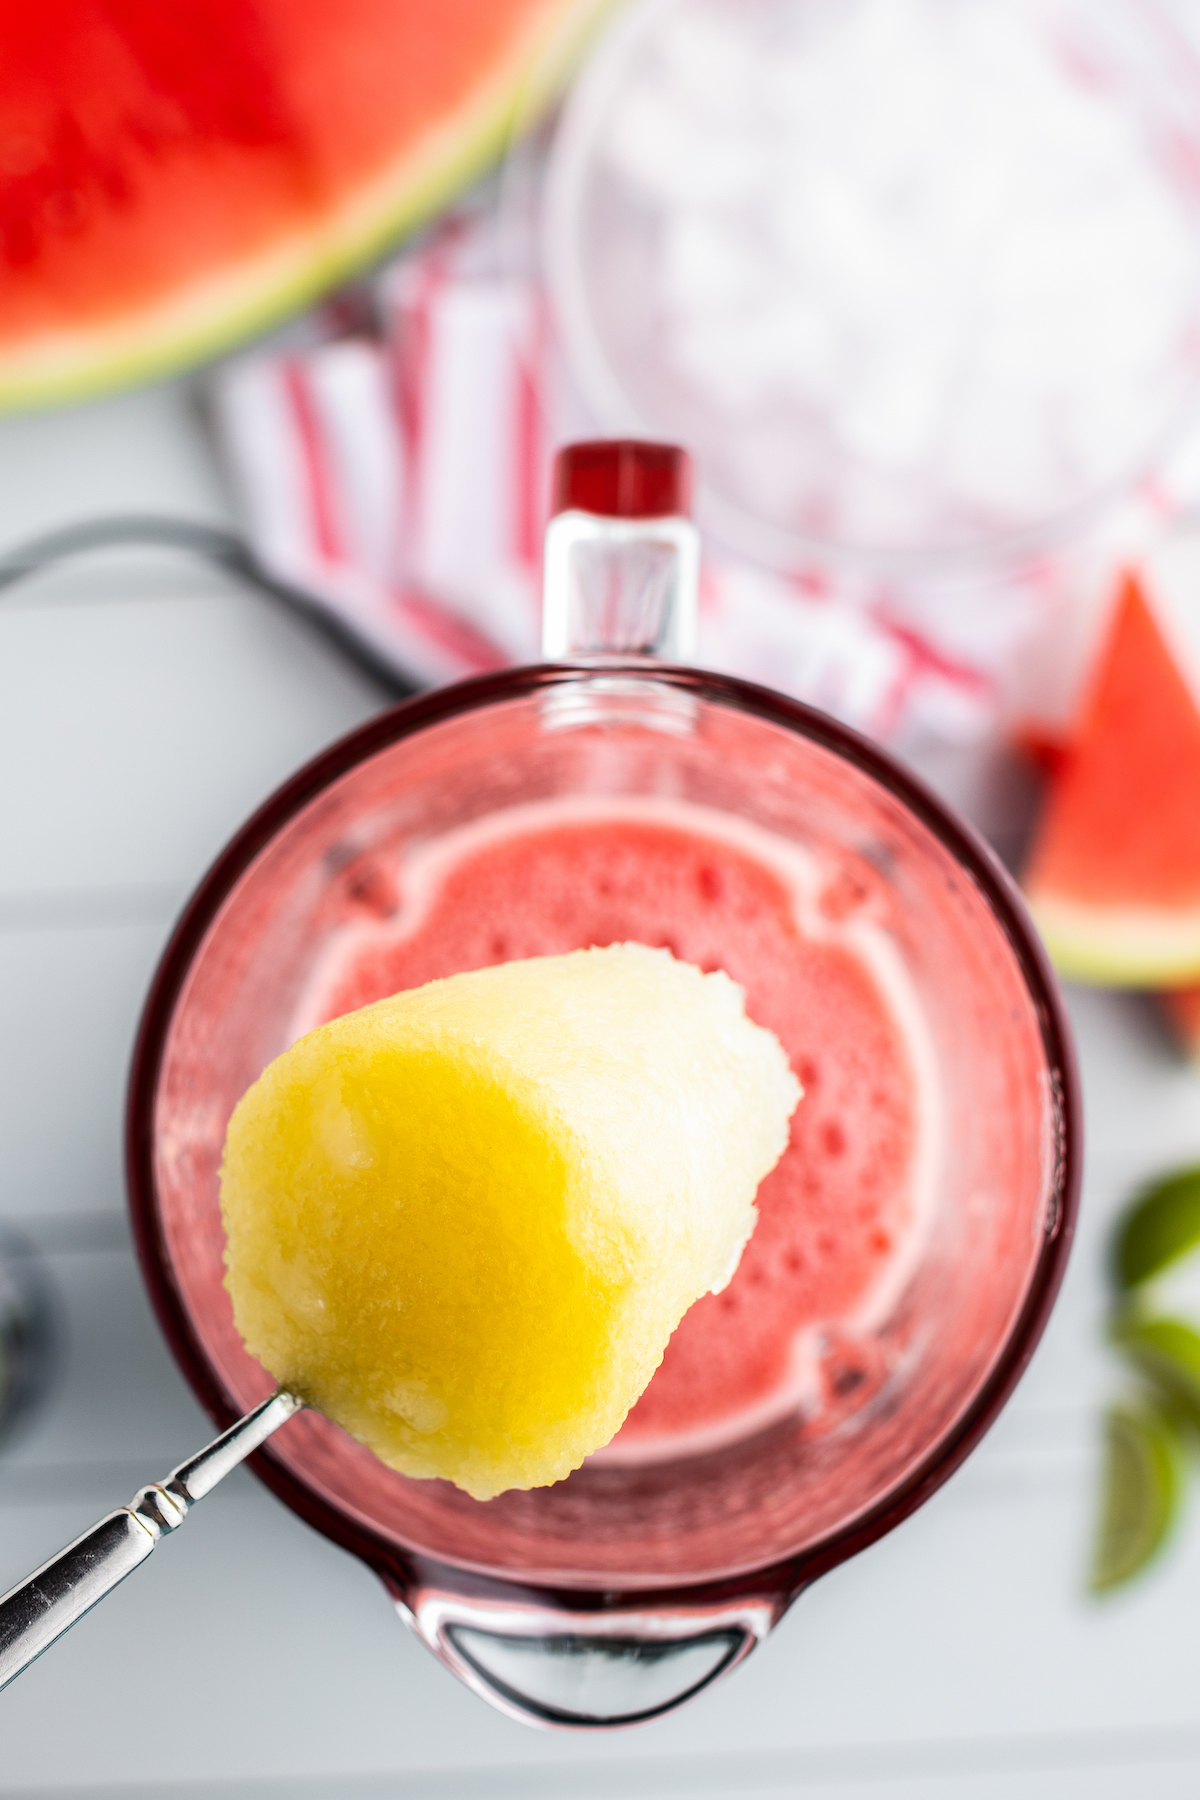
(620, 1592)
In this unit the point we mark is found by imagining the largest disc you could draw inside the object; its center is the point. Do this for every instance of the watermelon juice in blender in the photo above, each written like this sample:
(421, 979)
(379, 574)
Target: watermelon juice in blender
(842, 1218)
(910, 1241)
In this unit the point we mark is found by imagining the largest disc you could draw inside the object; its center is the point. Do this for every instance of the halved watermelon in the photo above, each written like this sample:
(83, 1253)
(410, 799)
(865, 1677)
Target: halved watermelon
(175, 174)
(1113, 875)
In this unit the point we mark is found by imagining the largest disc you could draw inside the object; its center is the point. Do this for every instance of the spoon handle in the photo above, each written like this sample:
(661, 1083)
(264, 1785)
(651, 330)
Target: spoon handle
(48, 1602)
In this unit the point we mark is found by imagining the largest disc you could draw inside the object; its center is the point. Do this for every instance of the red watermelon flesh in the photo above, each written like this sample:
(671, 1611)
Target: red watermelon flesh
(174, 173)
(1113, 875)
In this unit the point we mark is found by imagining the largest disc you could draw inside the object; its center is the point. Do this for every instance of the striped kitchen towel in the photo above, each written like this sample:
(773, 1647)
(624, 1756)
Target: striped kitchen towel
(399, 474)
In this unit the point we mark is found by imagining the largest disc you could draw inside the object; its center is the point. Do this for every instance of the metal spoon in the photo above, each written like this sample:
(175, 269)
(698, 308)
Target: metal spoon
(48, 1602)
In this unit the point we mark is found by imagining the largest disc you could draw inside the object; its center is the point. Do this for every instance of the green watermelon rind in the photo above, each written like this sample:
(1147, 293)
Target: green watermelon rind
(215, 314)
(1118, 946)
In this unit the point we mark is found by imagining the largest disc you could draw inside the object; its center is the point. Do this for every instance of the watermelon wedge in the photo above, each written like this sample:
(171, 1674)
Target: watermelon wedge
(176, 174)
(1113, 874)
(1181, 1009)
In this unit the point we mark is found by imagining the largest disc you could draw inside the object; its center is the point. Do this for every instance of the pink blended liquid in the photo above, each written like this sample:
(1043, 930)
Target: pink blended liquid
(842, 1216)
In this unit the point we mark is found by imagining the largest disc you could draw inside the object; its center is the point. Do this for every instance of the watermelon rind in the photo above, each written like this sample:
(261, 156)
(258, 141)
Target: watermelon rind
(1118, 946)
(214, 314)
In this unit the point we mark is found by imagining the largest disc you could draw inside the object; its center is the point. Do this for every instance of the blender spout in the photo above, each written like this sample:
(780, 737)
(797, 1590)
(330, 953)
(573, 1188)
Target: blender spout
(554, 1663)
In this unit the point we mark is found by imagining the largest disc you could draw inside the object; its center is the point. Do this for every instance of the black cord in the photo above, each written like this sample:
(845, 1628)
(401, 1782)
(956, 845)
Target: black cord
(211, 544)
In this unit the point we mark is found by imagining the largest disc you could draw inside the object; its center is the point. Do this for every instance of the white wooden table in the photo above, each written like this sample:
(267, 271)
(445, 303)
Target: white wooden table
(145, 707)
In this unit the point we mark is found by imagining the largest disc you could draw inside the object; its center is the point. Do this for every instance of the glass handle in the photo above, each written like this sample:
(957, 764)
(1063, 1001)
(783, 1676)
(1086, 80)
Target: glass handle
(622, 568)
(623, 587)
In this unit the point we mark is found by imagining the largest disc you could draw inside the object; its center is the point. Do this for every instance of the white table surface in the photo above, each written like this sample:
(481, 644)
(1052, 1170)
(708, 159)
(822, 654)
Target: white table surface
(145, 707)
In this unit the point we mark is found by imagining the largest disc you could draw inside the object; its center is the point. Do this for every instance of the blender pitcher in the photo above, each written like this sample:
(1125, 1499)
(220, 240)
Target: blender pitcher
(616, 1594)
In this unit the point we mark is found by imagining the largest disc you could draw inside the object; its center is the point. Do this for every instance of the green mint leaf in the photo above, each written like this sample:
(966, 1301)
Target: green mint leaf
(1162, 1226)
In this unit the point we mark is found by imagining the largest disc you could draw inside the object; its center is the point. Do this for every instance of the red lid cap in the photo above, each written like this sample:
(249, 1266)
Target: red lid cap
(623, 478)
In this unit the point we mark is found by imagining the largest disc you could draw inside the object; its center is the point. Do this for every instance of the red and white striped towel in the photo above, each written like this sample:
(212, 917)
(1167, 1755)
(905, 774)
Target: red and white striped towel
(402, 479)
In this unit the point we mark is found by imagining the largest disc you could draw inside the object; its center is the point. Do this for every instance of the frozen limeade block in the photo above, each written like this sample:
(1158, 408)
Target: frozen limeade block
(465, 1220)
(846, 1214)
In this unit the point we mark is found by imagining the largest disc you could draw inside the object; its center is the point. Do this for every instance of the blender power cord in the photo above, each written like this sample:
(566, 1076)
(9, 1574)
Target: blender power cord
(210, 544)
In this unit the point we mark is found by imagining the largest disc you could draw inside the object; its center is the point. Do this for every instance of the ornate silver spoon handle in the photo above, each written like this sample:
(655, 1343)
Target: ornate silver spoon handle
(39, 1609)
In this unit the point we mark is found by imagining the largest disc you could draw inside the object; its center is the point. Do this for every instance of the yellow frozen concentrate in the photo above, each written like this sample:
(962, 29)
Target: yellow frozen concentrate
(464, 1221)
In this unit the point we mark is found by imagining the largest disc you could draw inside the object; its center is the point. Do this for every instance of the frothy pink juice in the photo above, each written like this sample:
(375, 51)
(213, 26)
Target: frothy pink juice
(841, 1218)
